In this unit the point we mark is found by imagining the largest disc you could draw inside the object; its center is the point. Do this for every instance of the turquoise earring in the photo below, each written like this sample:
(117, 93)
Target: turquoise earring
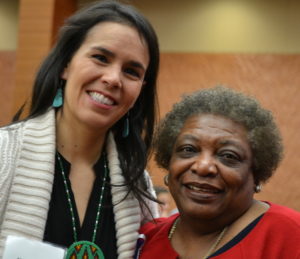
(125, 132)
(58, 99)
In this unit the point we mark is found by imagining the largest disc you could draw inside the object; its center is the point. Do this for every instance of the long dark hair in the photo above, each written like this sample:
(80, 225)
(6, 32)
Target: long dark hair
(133, 150)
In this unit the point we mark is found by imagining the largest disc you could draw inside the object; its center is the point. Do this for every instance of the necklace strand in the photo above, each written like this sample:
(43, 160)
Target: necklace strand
(211, 249)
(70, 203)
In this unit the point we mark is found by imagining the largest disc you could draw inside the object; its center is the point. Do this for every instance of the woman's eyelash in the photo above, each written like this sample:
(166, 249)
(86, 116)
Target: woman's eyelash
(230, 158)
(100, 57)
(132, 72)
(185, 149)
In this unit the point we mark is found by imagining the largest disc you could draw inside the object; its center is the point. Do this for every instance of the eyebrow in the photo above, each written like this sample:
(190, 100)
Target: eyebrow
(105, 51)
(233, 143)
(222, 142)
(188, 137)
(111, 54)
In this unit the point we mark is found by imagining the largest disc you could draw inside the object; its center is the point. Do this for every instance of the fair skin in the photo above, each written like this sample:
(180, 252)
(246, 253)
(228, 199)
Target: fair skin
(212, 183)
(103, 81)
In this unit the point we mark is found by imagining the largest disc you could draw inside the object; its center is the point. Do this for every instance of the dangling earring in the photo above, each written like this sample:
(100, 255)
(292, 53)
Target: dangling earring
(166, 180)
(257, 188)
(125, 132)
(58, 99)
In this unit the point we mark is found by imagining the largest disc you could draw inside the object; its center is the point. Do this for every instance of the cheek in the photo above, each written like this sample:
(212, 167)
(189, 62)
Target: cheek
(178, 166)
(249, 183)
(70, 91)
(246, 192)
(247, 178)
(133, 95)
(177, 171)
(172, 170)
(242, 181)
(136, 91)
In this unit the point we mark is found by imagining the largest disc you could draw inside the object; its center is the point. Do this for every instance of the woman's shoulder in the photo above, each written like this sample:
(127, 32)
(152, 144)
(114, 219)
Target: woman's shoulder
(30, 131)
(280, 221)
(283, 213)
(279, 226)
(39, 123)
(42, 120)
(11, 127)
(9, 132)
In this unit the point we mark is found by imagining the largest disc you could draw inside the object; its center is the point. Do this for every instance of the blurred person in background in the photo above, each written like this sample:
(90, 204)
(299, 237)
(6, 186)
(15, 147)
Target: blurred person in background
(163, 195)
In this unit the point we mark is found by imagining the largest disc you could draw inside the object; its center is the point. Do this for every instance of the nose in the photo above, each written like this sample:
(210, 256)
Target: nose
(204, 165)
(111, 76)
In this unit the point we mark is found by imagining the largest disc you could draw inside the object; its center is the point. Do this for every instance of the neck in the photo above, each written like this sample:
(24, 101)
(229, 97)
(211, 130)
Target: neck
(199, 226)
(190, 232)
(200, 245)
(77, 142)
(198, 231)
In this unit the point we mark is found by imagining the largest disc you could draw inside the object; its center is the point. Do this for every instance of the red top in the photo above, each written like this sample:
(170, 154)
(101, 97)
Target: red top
(275, 235)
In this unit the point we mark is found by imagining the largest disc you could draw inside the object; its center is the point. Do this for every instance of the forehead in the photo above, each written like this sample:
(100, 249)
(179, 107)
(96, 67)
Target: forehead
(213, 125)
(118, 38)
(111, 26)
(115, 31)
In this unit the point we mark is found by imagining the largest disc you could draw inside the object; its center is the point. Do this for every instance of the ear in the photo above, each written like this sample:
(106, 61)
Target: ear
(65, 73)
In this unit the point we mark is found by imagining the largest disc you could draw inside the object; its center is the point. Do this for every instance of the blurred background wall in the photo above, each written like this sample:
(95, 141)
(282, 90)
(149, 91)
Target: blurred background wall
(252, 46)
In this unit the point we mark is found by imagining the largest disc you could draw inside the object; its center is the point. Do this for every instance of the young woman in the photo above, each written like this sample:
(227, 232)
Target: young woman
(72, 172)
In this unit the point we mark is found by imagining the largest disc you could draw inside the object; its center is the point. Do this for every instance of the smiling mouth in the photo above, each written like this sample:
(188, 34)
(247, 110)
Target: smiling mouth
(203, 188)
(100, 98)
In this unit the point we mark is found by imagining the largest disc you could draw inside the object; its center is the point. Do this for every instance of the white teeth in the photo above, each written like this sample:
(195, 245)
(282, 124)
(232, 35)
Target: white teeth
(100, 98)
(196, 188)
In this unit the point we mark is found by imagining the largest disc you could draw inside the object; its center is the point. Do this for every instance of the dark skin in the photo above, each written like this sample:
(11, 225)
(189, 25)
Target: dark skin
(212, 184)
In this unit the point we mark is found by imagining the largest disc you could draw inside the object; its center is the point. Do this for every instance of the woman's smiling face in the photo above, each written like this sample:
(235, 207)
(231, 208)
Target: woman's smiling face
(105, 76)
(210, 168)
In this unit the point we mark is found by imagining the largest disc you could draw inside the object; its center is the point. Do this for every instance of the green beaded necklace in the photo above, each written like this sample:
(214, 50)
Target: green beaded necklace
(84, 249)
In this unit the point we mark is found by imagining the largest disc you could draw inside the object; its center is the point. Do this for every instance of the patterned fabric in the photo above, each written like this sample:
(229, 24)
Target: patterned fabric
(27, 157)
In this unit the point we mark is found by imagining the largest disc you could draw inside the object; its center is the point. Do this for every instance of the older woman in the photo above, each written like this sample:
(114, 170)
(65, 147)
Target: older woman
(219, 146)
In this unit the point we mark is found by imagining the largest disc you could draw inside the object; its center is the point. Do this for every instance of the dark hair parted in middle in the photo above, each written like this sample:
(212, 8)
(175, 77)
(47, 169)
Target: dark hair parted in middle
(134, 149)
(71, 37)
(263, 134)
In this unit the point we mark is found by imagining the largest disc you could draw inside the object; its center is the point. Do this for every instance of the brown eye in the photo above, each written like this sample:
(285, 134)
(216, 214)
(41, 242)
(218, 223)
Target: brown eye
(186, 151)
(101, 58)
(230, 158)
(132, 72)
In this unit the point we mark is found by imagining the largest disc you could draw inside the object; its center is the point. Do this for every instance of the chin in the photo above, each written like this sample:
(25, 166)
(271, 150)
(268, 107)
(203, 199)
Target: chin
(95, 121)
(198, 211)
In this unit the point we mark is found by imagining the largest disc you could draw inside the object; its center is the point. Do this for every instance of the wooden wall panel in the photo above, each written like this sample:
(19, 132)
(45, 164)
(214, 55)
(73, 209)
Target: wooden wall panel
(34, 40)
(273, 79)
(63, 9)
(7, 73)
(38, 24)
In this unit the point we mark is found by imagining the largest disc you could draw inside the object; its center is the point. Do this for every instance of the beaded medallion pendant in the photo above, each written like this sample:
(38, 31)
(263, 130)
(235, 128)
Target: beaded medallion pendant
(84, 249)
